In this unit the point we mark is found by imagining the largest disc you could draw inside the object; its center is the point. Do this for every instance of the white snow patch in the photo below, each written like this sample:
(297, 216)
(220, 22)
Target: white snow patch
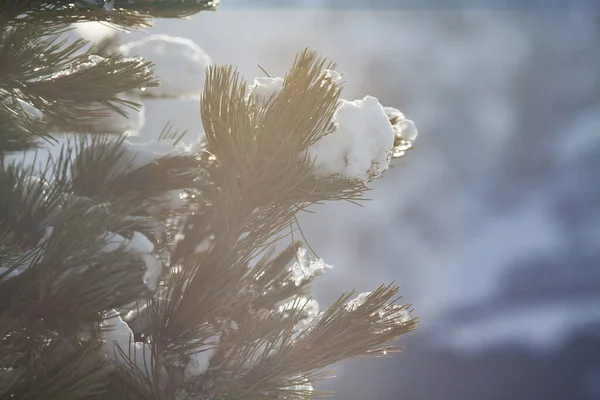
(305, 268)
(310, 307)
(93, 60)
(264, 88)
(179, 64)
(358, 301)
(407, 129)
(199, 362)
(153, 270)
(306, 325)
(396, 313)
(361, 145)
(141, 245)
(203, 246)
(332, 75)
(403, 127)
(94, 31)
(311, 314)
(33, 112)
(121, 336)
(113, 242)
(391, 312)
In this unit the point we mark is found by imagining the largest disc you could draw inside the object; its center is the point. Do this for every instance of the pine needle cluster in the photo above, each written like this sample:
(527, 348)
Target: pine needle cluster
(67, 288)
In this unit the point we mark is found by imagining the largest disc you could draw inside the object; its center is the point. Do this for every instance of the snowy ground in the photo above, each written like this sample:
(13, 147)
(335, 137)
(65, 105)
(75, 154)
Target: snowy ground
(500, 191)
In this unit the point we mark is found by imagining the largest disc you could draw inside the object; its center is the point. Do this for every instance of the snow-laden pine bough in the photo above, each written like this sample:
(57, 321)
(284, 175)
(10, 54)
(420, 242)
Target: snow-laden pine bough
(148, 269)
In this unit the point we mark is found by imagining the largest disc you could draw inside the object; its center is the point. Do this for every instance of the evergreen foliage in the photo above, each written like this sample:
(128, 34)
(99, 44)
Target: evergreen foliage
(83, 240)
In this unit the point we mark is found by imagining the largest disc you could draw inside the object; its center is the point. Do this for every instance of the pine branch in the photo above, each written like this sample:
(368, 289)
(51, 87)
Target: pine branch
(61, 81)
(58, 372)
(71, 276)
(123, 13)
(12, 138)
(27, 202)
(264, 369)
(251, 204)
(224, 293)
(249, 201)
(167, 8)
(107, 171)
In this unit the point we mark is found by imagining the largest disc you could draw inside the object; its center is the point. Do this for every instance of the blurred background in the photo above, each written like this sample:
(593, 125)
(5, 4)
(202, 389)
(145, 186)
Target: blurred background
(491, 224)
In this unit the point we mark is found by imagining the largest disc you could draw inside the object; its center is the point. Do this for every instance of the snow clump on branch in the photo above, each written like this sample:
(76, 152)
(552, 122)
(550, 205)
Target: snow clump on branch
(263, 88)
(141, 245)
(118, 337)
(360, 147)
(362, 144)
(180, 64)
(304, 268)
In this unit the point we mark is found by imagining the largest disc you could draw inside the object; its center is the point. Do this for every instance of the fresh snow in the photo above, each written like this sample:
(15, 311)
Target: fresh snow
(396, 313)
(33, 112)
(114, 241)
(310, 307)
(304, 268)
(407, 129)
(392, 312)
(203, 246)
(361, 145)
(153, 270)
(94, 31)
(117, 335)
(263, 88)
(358, 301)
(93, 60)
(403, 127)
(311, 314)
(332, 75)
(180, 64)
(199, 362)
(141, 245)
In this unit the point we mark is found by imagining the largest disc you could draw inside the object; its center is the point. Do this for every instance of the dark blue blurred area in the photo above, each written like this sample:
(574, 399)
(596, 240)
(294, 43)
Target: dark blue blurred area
(571, 371)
